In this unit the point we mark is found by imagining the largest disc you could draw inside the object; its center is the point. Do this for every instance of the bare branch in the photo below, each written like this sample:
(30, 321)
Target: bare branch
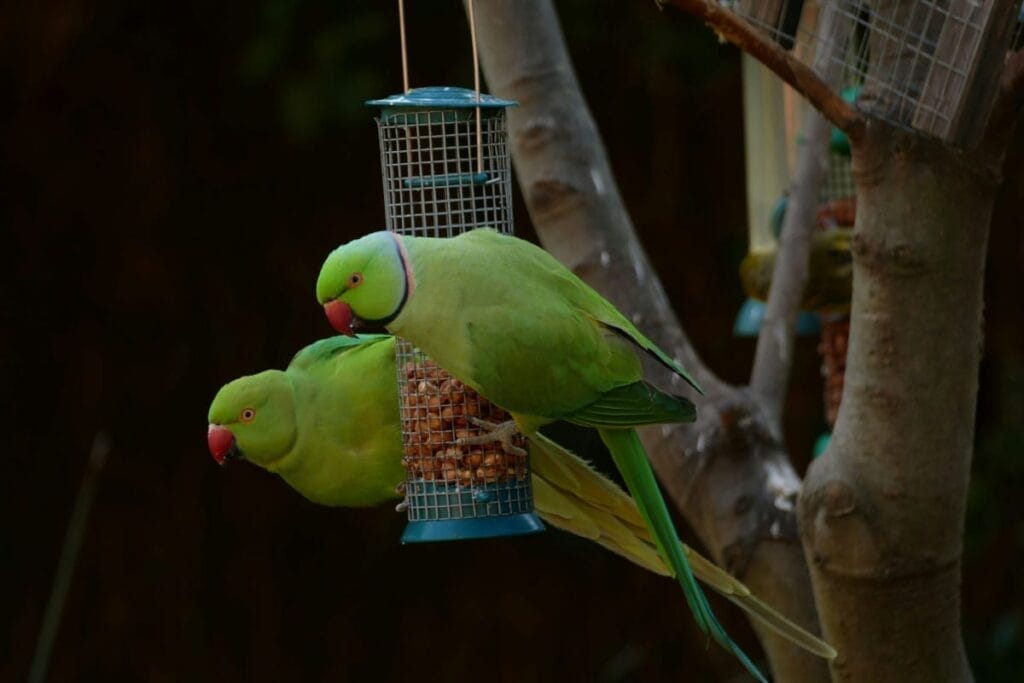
(773, 358)
(787, 67)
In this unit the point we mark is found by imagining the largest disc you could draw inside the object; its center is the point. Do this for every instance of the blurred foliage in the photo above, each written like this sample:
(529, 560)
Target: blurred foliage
(320, 59)
(994, 539)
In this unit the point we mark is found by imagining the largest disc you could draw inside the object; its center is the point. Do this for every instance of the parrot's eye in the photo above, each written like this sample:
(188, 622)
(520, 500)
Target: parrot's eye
(355, 279)
(247, 415)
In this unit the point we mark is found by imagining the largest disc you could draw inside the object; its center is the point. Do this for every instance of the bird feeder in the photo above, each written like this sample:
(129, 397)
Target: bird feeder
(917, 60)
(446, 169)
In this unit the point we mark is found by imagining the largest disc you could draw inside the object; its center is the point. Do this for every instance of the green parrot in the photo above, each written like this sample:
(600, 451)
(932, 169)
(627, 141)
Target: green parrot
(329, 426)
(829, 272)
(506, 318)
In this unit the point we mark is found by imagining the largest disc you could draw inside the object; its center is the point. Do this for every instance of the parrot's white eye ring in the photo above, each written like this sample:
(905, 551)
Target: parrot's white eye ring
(247, 415)
(354, 280)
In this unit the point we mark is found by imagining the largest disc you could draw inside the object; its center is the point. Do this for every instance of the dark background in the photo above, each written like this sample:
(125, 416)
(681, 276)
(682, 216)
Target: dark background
(173, 173)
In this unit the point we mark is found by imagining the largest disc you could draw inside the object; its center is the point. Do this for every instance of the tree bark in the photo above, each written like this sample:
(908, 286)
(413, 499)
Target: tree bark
(728, 473)
(882, 511)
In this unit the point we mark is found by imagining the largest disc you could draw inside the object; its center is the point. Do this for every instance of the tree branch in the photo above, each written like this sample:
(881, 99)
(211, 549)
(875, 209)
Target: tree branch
(795, 73)
(773, 358)
(727, 473)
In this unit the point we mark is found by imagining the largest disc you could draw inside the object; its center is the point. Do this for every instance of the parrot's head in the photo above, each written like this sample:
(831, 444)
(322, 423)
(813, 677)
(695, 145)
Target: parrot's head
(367, 281)
(253, 418)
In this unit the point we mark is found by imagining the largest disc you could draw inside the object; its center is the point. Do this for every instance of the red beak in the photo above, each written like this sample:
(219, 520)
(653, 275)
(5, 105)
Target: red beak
(221, 442)
(340, 315)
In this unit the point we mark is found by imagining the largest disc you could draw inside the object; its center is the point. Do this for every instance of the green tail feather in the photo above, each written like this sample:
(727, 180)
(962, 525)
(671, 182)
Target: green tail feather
(631, 459)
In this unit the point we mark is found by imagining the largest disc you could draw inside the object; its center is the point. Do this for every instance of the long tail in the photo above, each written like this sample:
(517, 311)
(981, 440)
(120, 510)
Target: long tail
(631, 459)
(572, 496)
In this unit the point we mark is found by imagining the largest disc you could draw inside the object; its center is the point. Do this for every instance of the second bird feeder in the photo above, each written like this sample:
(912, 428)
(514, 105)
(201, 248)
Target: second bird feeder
(446, 169)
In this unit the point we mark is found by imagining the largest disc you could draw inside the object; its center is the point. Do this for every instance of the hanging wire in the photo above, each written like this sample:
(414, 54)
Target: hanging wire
(476, 88)
(405, 56)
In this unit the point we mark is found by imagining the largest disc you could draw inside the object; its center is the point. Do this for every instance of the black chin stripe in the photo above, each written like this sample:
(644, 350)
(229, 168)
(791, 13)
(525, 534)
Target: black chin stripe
(383, 322)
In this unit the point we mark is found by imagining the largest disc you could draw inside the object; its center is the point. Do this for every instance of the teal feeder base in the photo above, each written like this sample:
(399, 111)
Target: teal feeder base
(446, 511)
(469, 529)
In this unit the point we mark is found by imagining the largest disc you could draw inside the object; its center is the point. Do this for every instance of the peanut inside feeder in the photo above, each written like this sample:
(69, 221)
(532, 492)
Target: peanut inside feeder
(438, 412)
(456, 490)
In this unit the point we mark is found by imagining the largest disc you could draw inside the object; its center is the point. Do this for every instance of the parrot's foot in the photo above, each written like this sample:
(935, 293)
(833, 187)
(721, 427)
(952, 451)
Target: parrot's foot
(403, 506)
(503, 433)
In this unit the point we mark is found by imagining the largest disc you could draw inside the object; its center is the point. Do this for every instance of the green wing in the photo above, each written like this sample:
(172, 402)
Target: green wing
(571, 495)
(579, 293)
(531, 324)
(629, 456)
(324, 350)
(632, 405)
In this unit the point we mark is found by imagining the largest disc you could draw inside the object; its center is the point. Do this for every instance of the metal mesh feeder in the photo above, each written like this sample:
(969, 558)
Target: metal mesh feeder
(444, 175)
(916, 59)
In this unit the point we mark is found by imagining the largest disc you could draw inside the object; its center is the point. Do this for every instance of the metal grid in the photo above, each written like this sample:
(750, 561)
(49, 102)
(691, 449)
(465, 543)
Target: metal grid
(838, 198)
(914, 58)
(432, 186)
(437, 185)
(447, 480)
(838, 182)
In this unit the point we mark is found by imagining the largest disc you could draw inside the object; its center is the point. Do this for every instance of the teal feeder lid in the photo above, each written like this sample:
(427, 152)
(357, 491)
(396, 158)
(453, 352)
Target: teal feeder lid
(748, 320)
(444, 103)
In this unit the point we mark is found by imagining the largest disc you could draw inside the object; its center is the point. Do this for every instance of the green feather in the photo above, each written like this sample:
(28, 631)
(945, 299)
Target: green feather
(632, 405)
(322, 351)
(629, 456)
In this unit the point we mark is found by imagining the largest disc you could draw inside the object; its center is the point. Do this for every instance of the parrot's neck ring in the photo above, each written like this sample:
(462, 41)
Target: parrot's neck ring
(409, 284)
(410, 279)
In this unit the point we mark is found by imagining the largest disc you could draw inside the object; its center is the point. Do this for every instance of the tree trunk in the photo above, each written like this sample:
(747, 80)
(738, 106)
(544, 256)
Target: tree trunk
(882, 511)
(728, 473)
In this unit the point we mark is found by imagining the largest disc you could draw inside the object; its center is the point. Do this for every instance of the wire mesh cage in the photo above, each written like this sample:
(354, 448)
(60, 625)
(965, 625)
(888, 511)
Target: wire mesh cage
(915, 59)
(443, 175)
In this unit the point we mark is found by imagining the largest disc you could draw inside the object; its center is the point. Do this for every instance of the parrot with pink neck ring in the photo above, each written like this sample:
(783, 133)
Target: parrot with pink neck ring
(506, 318)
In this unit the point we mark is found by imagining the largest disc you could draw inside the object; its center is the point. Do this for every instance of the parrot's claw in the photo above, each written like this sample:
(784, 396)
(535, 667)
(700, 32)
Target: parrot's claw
(502, 433)
(403, 506)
